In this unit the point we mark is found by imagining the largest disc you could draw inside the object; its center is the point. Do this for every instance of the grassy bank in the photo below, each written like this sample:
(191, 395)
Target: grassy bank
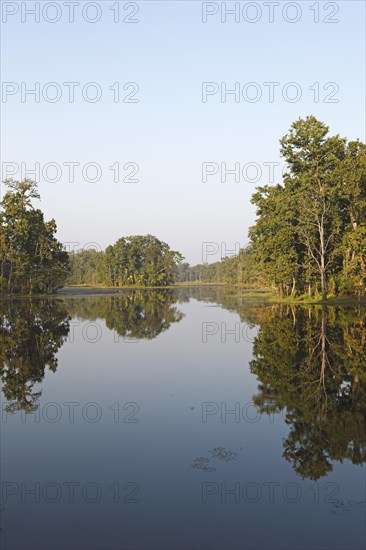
(340, 300)
(265, 294)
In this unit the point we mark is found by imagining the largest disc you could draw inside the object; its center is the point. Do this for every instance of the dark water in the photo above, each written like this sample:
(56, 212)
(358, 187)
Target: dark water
(196, 419)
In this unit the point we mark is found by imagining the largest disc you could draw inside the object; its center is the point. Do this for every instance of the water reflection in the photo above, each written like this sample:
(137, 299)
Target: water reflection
(31, 334)
(137, 314)
(311, 364)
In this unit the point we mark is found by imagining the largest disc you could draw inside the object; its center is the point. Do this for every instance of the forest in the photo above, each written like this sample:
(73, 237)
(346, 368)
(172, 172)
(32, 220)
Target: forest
(309, 237)
(310, 233)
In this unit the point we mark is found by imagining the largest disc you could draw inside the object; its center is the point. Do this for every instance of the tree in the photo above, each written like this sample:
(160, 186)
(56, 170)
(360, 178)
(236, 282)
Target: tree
(353, 197)
(310, 231)
(275, 238)
(313, 160)
(183, 272)
(32, 259)
(136, 260)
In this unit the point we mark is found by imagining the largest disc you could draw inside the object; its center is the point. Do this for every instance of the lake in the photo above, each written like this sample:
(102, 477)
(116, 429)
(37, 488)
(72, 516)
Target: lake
(182, 419)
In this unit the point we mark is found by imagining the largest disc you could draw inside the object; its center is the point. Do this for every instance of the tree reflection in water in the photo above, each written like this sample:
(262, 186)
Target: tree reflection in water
(138, 314)
(310, 363)
(32, 332)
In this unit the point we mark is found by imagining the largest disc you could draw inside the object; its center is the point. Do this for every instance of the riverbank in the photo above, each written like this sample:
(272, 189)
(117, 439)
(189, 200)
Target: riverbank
(342, 300)
(83, 291)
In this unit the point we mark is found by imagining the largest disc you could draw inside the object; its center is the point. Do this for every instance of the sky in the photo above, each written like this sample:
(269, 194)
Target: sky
(138, 139)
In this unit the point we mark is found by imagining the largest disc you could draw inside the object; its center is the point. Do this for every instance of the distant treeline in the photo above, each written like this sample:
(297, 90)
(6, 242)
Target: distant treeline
(136, 260)
(146, 261)
(240, 269)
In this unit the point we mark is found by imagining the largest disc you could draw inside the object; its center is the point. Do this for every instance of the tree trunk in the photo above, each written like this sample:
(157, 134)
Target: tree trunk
(293, 290)
(323, 274)
(324, 285)
(323, 346)
(353, 217)
(10, 276)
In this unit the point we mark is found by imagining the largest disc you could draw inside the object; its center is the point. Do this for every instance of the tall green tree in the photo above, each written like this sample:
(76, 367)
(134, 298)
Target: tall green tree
(275, 237)
(313, 159)
(32, 259)
(353, 199)
(310, 231)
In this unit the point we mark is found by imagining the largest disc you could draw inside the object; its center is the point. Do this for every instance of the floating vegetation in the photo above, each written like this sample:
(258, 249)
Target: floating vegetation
(203, 463)
(220, 453)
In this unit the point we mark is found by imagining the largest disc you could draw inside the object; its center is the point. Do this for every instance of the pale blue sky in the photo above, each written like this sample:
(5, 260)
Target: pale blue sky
(170, 131)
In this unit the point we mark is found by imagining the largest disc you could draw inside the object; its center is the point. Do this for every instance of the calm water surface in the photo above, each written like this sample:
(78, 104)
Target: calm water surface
(195, 419)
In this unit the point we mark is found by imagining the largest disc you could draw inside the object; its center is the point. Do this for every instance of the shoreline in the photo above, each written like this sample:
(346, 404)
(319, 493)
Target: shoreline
(85, 291)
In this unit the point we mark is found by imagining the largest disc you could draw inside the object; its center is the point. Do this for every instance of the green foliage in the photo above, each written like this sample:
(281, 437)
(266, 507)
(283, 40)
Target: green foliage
(310, 232)
(274, 238)
(309, 237)
(137, 260)
(87, 267)
(240, 269)
(32, 259)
